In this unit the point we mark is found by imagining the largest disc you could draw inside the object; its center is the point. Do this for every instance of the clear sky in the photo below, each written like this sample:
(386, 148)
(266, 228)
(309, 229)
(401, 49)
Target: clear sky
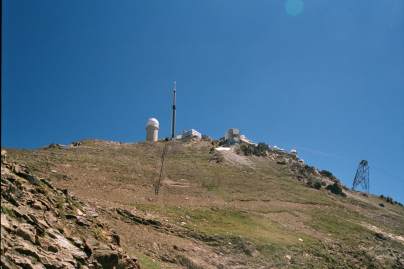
(323, 76)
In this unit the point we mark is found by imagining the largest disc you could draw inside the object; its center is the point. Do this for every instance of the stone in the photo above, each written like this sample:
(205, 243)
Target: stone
(27, 249)
(10, 197)
(107, 258)
(79, 212)
(38, 206)
(6, 262)
(3, 155)
(53, 263)
(249, 249)
(5, 223)
(53, 249)
(155, 246)
(128, 262)
(54, 146)
(50, 218)
(178, 248)
(380, 236)
(82, 221)
(70, 217)
(115, 239)
(66, 246)
(27, 232)
(282, 162)
(77, 242)
(25, 262)
(18, 169)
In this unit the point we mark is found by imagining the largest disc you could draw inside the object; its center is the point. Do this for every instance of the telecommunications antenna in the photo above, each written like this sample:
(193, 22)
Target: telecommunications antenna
(362, 176)
(174, 110)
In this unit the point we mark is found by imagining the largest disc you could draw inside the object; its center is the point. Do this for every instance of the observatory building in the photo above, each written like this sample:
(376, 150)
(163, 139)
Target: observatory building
(191, 135)
(152, 130)
(232, 136)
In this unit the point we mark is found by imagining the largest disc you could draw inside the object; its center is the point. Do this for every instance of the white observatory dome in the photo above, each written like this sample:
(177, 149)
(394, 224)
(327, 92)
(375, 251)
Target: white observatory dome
(153, 122)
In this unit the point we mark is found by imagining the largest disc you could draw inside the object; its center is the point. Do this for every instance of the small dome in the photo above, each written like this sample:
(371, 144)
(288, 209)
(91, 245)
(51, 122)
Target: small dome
(153, 122)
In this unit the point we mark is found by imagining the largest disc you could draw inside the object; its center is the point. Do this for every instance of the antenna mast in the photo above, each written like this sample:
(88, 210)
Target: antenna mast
(174, 110)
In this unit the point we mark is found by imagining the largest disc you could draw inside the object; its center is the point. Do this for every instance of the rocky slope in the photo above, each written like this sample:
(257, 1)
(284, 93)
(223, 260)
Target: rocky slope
(215, 209)
(44, 227)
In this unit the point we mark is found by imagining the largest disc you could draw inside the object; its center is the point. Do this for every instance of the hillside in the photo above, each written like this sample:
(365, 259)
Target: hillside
(219, 209)
(45, 227)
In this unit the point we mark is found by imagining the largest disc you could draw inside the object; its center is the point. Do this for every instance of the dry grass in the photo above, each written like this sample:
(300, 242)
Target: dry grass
(262, 203)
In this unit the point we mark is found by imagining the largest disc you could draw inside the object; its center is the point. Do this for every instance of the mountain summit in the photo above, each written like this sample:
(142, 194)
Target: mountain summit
(245, 206)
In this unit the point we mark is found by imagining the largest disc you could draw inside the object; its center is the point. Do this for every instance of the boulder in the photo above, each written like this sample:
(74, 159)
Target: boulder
(106, 257)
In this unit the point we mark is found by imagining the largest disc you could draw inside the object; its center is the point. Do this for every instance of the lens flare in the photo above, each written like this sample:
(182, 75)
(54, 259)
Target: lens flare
(294, 7)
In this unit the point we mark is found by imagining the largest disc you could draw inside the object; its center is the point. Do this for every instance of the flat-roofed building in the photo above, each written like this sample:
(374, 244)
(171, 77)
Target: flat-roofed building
(191, 134)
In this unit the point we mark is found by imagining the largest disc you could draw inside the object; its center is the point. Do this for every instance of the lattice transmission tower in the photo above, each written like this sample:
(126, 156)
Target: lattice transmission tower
(362, 176)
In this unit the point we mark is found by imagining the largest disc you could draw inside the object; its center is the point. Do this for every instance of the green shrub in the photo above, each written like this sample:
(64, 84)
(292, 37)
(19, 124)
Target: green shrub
(261, 149)
(317, 185)
(257, 150)
(309, 169)
(218, 157)
(327, 174)
(336, 189)
(246, 149)
(390, 200)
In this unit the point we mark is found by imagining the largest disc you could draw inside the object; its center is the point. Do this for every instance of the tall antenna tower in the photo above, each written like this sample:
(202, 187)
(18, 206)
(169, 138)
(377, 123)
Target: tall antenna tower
(362, 176)
(174, 110)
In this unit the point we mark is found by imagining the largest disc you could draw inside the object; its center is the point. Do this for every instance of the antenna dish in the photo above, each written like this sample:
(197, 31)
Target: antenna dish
(153, 122)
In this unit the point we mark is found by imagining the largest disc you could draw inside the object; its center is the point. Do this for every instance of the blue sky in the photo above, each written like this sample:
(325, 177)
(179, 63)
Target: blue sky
(324, 77)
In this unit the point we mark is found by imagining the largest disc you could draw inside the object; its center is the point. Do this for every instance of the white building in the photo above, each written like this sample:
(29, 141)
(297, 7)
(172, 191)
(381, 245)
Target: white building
(191, 134)
(232, 135)
(152, 130)
(244, 139)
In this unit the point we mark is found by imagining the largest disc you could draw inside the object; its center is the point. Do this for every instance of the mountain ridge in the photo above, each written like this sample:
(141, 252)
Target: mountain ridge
(223, 209)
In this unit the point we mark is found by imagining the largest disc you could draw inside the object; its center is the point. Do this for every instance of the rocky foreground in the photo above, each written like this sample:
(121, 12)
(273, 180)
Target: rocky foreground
(45, 227)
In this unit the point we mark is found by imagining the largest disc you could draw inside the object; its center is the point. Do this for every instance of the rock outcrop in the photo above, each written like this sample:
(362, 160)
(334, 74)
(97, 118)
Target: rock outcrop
(45, 227)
